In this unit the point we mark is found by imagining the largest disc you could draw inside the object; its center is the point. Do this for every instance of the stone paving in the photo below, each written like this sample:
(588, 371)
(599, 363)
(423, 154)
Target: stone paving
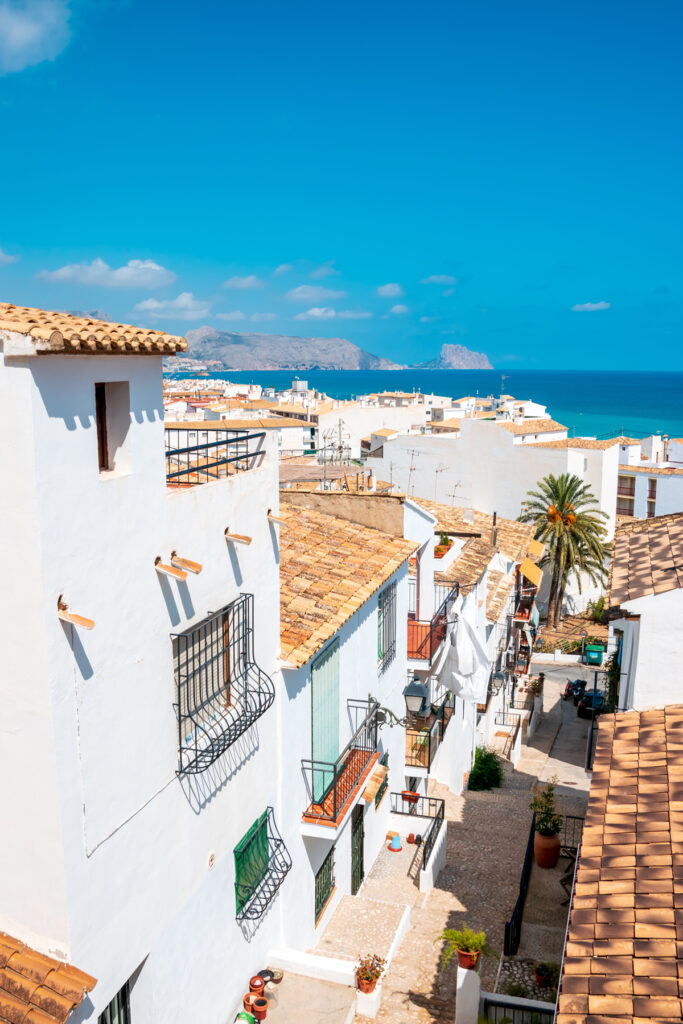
(487, 835)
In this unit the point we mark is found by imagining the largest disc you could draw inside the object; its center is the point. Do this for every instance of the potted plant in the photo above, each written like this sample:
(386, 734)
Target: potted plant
(547, 974)
(466, 943)
(444, 545)
(410, 796)
(548, 826)
(369, 970)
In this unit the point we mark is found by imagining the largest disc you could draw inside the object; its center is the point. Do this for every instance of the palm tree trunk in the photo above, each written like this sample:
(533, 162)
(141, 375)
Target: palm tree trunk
(552, 597)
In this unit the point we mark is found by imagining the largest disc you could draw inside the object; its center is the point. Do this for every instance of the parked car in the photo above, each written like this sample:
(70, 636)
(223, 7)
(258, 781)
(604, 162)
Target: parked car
(572, 687)
(592, 704)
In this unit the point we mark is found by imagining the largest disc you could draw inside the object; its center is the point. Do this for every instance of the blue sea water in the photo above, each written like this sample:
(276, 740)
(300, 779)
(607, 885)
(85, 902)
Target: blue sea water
(591, 403)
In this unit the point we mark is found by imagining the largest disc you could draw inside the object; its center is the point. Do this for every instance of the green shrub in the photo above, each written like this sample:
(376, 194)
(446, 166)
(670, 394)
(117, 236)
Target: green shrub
(487, 771)
(515, 989)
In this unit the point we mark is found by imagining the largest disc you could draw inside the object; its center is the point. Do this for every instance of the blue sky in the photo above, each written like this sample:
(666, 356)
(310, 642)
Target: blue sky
(502, 176)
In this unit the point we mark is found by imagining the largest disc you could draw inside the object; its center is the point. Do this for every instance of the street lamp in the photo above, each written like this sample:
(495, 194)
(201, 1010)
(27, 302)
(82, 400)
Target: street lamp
(414, 694)
(497, 681)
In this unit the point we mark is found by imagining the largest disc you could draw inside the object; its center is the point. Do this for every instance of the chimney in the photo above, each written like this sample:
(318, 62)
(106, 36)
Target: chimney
(494, 530)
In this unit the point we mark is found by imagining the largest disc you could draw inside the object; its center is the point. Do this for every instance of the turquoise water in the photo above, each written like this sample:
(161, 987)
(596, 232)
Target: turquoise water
(593, 403)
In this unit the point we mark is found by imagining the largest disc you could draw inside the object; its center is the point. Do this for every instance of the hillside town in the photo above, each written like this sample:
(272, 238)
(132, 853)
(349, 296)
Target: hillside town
(330, 709)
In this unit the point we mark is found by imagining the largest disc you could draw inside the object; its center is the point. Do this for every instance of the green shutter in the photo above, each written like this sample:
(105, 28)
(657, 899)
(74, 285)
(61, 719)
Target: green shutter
(251, 860)
(325, 716)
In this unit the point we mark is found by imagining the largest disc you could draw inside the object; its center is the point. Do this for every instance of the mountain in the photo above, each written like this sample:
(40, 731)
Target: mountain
(236, 351)
(456, 357)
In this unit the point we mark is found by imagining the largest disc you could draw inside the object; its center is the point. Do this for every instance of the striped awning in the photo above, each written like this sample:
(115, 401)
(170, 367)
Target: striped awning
(531, 571)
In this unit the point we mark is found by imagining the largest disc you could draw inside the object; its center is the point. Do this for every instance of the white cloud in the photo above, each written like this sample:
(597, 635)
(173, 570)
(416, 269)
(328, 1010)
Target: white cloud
(185, 307)
(448, 291)
(389, 291)
(399, 309)
(590, 307)
(439, 279)
(6, 258)
(324, 270)
(313, 293)
(134, 274)
(262, 317)
(428, 319)
(325, 313)
(32, 31)
(284, 268)
(236, 314)
(250, 281)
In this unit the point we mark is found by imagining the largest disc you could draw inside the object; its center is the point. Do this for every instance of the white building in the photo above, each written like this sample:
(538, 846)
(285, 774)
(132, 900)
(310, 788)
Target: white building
(646, 611)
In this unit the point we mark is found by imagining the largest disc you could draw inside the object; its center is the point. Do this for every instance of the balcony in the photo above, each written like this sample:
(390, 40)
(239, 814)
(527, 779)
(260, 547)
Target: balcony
(333, 786)
(626, 492)
(425, 735)
(426, 636)
(525, 605)
(189, 465)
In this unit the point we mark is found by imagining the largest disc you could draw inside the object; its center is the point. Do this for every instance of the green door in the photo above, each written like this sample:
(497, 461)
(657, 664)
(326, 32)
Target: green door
(357, 837)
(325, 718)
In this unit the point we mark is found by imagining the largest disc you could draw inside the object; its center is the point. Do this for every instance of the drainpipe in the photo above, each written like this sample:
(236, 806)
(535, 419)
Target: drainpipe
(494, 530)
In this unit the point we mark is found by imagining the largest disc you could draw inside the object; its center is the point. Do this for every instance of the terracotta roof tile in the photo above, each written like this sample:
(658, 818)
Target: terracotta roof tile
(36, 989)
(637, 930)
(513, 538)
(63, 333)
(645, 558)
(329, 567)
(542, 426)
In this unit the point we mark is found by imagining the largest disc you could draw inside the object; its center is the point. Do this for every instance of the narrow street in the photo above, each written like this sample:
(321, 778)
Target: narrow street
(487, 836)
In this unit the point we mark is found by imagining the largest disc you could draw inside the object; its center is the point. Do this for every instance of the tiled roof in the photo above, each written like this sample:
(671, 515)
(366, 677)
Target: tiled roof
(61, 332)
(385, 432)
(513, 538)
(622, 960)
(36, 989)
(647, 558)
(469, 566)
(329, 567)
(531, 426)
(453, 424)
(498, 589)
(652, 470)
(584, 443)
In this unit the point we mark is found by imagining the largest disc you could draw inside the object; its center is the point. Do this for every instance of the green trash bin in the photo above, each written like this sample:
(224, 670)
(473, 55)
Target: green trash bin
(594, 654)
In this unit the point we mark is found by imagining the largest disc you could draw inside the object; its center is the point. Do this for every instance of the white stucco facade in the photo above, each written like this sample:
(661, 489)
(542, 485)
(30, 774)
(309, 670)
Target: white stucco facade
(651, 650)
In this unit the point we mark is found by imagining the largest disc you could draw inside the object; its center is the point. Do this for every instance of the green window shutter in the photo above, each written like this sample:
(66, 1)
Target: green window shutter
(325, 716)
(251, 860)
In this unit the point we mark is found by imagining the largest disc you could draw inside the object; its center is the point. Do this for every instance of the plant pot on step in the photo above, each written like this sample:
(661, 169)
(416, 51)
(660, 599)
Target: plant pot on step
(467, 960)
(366, 985)
(542, 980)
(546, 850)
(256, 984)
(249, 1000)
(260, 1008)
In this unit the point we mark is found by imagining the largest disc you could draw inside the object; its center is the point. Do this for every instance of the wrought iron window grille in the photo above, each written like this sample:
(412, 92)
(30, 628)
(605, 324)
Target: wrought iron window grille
(220, 690)
(273, 862)
(324, 884)
(386, 627)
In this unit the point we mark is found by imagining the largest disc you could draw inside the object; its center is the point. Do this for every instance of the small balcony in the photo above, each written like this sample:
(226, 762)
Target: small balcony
(625, 491)
(426, 636)
(189, 465)
(525, 605)
(425, 734)
(333, 786)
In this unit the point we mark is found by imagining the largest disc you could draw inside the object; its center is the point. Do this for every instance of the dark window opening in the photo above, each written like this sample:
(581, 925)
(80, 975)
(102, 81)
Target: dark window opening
(118, 1011)
(101, 422)
(324, 884)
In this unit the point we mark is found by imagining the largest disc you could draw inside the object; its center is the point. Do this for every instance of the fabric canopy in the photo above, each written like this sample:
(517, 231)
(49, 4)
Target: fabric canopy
(466, 666)
(534, 616)
(536, 549)
(531, 571)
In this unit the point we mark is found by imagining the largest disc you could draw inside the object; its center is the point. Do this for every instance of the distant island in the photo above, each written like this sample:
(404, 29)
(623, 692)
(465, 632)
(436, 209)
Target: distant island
(230, 350)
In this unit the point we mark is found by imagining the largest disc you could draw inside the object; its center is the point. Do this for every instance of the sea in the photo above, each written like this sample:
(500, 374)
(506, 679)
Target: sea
(590, 403)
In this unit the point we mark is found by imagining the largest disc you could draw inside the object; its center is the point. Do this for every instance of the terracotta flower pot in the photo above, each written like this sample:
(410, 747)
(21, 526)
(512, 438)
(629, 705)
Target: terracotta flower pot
(260, 1008)
(409, 796)
(366, 984)
(256, 984)
(542, 980)
(467, 960)
(411, 837)
(248, 1001)
(546, 850)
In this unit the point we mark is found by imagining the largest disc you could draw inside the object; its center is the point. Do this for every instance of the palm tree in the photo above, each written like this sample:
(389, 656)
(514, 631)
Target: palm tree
(572, 527)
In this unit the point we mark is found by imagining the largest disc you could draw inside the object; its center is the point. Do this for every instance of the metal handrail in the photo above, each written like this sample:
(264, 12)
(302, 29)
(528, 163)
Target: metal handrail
(434, 629)
(201, 470)
(339, 778)
(431, 807)
(513, 927)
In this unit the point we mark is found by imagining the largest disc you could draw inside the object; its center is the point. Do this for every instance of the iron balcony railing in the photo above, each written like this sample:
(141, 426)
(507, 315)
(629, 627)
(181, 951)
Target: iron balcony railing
(524, 605)
(425, 637)
(512, 721)
(500, 1009)
(626, 492)
(441, 592)
(423, 743)
(430, 807)
(330, 785)
(513, 928)
(202, 463)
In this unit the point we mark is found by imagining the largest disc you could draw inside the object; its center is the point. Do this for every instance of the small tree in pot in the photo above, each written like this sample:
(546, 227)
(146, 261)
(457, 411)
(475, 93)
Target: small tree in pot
(548, 826)
(369, 970)
(466, 943)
